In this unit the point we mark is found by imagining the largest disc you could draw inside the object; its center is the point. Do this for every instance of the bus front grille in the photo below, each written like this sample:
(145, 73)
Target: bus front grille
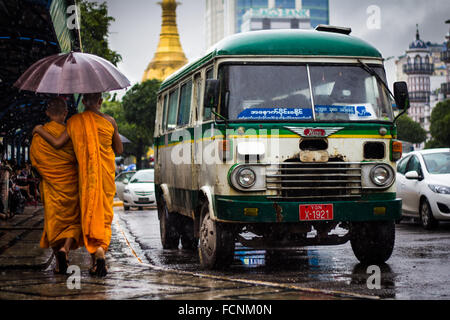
(330, 181)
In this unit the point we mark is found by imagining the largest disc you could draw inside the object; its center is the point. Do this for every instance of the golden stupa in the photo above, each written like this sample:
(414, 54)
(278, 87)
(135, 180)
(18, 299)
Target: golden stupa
(169, 55)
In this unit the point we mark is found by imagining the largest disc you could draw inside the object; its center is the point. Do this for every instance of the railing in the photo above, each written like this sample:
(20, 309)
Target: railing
(445, 55)
(419, 96)
(427, 68)
(445, 88)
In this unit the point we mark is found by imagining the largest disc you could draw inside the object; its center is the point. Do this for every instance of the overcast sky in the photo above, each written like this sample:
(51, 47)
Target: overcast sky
(135, 32)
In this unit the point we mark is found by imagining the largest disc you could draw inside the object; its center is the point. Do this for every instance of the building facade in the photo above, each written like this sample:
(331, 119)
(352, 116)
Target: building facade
(226, 17)
(419, 67)
(265, 19)
(445, 57)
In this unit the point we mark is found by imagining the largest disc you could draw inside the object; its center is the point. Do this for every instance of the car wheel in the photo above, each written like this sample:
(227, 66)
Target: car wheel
(168, 227)
(372, 242)
(216, 250)
(426, 216)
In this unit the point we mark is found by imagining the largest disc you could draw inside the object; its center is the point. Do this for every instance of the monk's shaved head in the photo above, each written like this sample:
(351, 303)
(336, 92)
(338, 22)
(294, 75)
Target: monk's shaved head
(57, 106)
(91, 99)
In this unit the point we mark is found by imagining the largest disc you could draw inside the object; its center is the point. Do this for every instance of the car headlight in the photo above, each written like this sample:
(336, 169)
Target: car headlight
(246, 177)
(126, 191)
(381, 175)
(439, 189)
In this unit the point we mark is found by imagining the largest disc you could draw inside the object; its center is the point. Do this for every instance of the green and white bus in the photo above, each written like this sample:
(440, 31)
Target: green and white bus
(283, 135)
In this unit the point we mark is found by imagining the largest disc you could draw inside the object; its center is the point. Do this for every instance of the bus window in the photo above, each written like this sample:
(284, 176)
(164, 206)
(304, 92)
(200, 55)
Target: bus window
(207, 114)
(173, 108)
(185, 104)
(197, 95)
(164, 118)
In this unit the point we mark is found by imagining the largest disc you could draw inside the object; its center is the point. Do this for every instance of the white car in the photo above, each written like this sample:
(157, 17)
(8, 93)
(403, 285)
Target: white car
(122, 180)
(423, 184)
(140, 190)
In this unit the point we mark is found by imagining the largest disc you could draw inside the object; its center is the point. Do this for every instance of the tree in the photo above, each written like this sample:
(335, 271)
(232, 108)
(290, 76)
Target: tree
(135, 117)
(440, 126)
(409, 130)
(95, 24)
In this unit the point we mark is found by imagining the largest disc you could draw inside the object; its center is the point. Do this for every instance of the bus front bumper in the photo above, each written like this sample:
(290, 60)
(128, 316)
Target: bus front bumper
(248, 210)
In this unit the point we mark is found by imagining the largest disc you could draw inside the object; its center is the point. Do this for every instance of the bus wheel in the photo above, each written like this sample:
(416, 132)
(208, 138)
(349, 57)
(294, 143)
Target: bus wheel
(372, 242)
(168, 228)
(188, 239)
(216, 249)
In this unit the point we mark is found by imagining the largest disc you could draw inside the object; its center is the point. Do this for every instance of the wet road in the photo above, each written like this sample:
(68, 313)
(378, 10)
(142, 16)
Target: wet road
(419, 267)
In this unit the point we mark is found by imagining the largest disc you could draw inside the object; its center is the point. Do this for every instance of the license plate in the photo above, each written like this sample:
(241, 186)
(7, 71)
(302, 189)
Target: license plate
(143, 199)
(316, 212)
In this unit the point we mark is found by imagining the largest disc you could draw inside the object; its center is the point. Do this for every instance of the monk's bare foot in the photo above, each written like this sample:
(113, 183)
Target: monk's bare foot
(98, 263)
(62, 262)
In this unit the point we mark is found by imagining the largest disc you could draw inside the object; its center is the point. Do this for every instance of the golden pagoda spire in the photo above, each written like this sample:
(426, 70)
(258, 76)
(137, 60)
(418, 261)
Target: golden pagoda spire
(169, 55)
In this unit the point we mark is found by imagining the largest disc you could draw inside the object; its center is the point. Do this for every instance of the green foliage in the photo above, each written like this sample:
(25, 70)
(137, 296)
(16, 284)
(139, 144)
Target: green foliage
(409, 130)
(135, 117)
(440, 126)
(95, 24)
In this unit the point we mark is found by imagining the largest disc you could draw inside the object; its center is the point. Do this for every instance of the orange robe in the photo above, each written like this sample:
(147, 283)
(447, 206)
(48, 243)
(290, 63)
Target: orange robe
(59, 189)
(91, 135)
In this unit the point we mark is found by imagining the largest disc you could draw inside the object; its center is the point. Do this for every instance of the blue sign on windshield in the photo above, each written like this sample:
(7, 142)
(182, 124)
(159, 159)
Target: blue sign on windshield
(276, 114)
(360, 111)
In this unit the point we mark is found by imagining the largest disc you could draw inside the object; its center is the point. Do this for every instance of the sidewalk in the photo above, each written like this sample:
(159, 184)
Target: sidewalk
(19, 241)
(26, 271)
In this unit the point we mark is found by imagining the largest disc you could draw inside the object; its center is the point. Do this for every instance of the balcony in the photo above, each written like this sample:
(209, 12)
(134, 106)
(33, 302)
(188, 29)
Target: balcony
(423, 68)
(445, 56)
(445, 89)
(419, 96)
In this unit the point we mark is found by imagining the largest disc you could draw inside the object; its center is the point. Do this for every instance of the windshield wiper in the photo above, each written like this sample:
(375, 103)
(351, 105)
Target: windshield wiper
(381, 81)
(375, 74)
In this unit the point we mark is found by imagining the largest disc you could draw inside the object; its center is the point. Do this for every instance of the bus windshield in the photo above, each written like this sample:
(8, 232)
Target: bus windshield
(283, 92)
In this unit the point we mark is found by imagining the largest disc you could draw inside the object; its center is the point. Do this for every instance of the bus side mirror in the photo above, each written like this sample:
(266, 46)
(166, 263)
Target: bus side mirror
(401, 95)
(212, 94)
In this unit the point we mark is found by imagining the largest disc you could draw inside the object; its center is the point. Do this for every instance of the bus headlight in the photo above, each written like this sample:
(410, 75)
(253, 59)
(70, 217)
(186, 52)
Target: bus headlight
(246, 177)
(381, 175)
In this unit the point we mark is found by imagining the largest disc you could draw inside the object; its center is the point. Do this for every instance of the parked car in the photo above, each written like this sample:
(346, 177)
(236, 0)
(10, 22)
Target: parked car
(140, 191)
(122, 180)
(423, 183)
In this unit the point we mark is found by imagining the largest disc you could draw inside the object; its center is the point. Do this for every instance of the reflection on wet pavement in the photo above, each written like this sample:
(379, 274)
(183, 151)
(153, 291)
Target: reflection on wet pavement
(418, 268)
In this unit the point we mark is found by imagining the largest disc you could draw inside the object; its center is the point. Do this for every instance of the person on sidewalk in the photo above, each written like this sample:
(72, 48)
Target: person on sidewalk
(96, 140)
(59, 188)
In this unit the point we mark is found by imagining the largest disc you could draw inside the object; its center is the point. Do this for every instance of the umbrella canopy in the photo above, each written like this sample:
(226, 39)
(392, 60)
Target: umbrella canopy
(124, 139)
(73, 72)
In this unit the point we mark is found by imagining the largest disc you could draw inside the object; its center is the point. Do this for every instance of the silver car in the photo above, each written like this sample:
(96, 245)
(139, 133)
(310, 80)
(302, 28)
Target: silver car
(140, 191)
(122, 180)
(423, 184)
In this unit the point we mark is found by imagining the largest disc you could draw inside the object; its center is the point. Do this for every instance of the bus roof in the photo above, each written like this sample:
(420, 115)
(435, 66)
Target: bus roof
(289, 42)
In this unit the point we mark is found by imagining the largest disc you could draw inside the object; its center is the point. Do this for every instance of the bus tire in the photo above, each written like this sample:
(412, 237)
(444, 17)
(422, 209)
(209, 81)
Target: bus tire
(372, 242)
(216, 249)
(168, 228)
(188, 239)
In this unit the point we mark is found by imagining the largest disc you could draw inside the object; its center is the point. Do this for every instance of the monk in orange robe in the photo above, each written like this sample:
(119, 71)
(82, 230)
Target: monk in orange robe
(95, 139)
(59, 188)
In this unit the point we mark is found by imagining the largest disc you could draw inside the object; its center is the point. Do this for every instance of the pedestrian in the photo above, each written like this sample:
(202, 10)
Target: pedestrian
(96, 139)
(5, 175)
(59, 188)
